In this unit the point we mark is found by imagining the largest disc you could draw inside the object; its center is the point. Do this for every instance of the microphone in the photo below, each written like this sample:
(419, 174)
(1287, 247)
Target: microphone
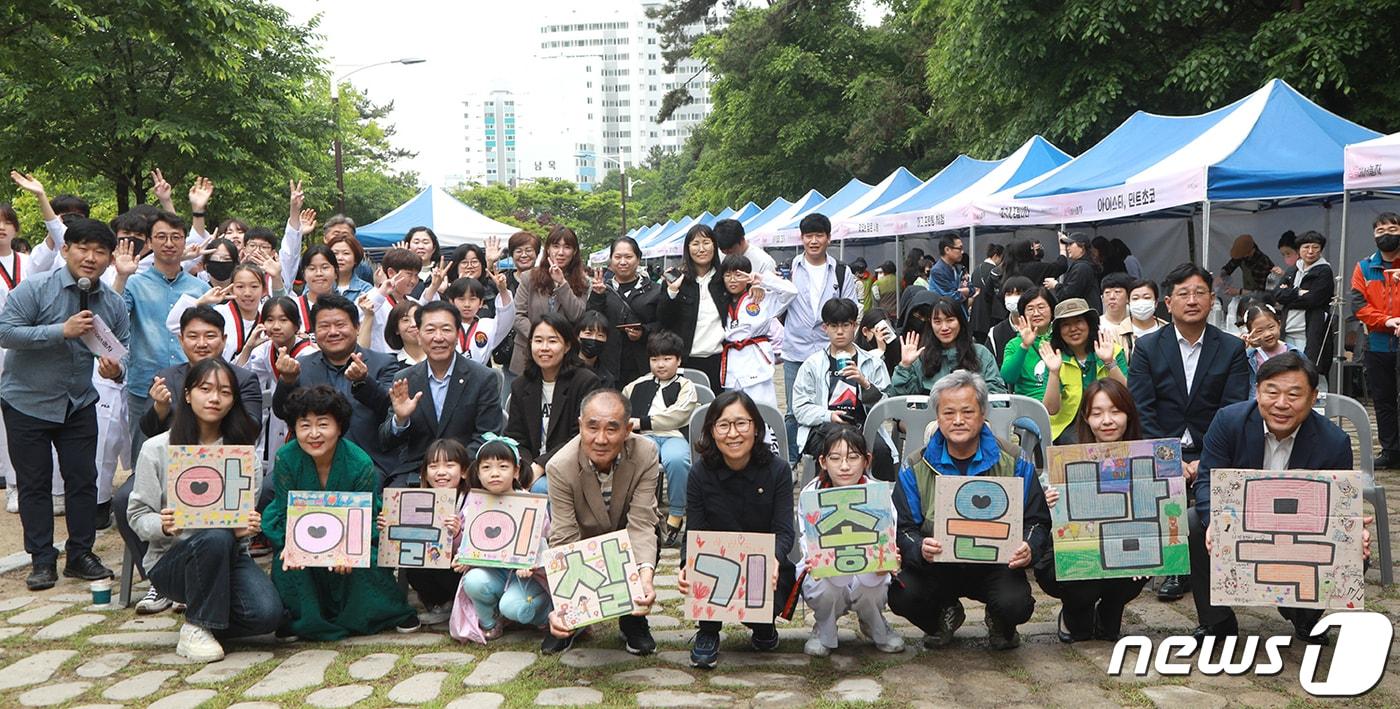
(84, 285)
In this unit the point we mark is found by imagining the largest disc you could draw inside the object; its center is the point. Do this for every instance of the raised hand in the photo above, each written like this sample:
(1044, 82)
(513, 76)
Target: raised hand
(270, 264)
(493, 252)
(1103, 347)
(215, 295)
(401, 244)
(909, 349)
(404, 405)
(502, 285)
(124, 258)
(28, 183)
(358, 370)
(439, 273)
(307, 221)
(159, 186)
(288, 368)
(200, 193)
(295, 196)
(556, 274)
(1026, 330)
(160, 393)
(366, 304)
(599, 285)
(1051, 357)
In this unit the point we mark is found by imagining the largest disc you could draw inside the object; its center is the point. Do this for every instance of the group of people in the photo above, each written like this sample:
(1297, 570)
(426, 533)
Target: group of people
(448, 370)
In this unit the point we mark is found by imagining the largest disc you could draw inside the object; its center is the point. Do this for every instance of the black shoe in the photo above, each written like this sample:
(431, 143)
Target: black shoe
(636, 634)
(1062, 631)
(1173, 588)
(553, 646)
(673, 537)
(42, 578)
(86, 566)
(764, 638)
(410, 624)
(1000, 635)
(1221, 630)
(1387, 460)
(1303, 631)
(103, 518)
(948, 621)
(704, 650)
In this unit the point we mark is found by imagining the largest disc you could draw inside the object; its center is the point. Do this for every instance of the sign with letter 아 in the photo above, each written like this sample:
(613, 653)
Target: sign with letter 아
(212, 487)
(977, 519)
(593, 579)
(731, 576)
(849, 530)
(326, 529)
(1121, 512)
(415, 531)
(1286, 538)
(504, 531)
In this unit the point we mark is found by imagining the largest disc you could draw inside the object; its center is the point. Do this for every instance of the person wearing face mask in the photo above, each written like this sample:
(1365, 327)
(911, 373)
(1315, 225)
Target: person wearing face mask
(1004, 331)
(592, 342)
(1375, 298)
(1142, 312)
(1305, 296)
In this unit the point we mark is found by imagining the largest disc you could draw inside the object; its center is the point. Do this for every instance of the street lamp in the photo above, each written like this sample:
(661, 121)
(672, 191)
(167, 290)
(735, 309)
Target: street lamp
(335, 106)
(622, 172)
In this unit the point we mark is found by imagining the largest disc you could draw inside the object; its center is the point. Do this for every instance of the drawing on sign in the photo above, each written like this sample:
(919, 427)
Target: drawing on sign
(415, 531)
(731, 576)
(977, 519)
(505, 531)
(326, 529)
(1121, 512)
(212, 486)
(849, 530)
(1286, 538)
(594, 579)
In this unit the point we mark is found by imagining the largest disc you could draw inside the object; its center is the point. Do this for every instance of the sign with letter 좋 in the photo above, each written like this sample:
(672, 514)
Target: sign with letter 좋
(504, 531)
(415, 531)
(593, 579)
(731, 576)
(977, 519)
(212, 487)
(849, 530)
(327, 529)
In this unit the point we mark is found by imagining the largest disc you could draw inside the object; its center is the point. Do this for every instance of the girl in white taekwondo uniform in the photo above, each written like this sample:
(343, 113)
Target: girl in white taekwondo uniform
(753, 302)
(239, 302)
(480, 336)
(279, 323)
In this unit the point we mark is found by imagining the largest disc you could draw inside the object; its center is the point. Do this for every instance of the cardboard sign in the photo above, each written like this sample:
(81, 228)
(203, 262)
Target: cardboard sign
(1121, 512)
(731, 576)
(102, 341)
(212, 487)
(415, 536)
(849, 530)
(1286, 538)
(593, 579)
(504, 531)
(977, 519)
(326, 529)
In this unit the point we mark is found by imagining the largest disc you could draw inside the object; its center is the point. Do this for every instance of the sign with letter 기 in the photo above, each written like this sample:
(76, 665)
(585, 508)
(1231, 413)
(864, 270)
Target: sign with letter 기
(977, 519)
(415, 530)
(1286, 538)
(1121, 512)
(326, 529)
(504, 531)
(731, 576)
(212, 487)
(849, 530)
(593, 579)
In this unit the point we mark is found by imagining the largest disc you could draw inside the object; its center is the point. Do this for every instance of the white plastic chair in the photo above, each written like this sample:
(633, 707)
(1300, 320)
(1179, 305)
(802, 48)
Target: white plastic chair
(1345, 407)
(704, 394)
(697, 376)
(1005, 409)
(913, 411)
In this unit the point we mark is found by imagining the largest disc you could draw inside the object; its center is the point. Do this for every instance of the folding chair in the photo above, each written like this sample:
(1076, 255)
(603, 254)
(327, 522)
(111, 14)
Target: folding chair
(1345, 407)
(912, 411)
(698, 377)
(1003, 412)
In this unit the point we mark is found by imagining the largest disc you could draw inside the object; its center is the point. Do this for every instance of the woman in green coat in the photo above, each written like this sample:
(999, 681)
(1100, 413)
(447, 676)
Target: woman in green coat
(329, 604)
(947, 346)
(1021, 367)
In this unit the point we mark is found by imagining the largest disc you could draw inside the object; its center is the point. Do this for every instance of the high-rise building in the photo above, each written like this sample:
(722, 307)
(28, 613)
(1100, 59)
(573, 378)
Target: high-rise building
(491, 138)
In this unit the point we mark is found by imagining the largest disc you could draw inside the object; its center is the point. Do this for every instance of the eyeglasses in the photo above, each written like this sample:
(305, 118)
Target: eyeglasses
(737, 425)
(1195, 294)
(837, 458)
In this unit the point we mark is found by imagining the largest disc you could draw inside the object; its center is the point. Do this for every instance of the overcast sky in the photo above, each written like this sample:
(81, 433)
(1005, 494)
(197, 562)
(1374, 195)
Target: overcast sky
(470, 46)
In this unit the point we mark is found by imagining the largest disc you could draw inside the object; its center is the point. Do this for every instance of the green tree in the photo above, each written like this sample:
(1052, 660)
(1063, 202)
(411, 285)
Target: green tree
(540, 205)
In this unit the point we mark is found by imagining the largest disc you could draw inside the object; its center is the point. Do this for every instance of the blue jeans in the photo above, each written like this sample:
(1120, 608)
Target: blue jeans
(540, 486)
(790, 421)
(226, 591)
(136, 408)
(499, 592)
(675, 463)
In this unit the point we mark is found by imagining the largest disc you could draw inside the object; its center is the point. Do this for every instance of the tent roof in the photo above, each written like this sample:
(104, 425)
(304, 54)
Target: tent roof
(774, 218)
(745, 212)
(1373, 163)
(766, 214)
(453, 221)
(782, 231)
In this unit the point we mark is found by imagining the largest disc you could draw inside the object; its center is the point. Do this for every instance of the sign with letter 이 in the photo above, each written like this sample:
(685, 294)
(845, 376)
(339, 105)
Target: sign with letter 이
(849, 530)
(415, 534)
(731, 576)
(1121, 512)
(212, 487)
(977, 519)
(504, 531)
(1286, 538)
(326, 529)
(593, 579)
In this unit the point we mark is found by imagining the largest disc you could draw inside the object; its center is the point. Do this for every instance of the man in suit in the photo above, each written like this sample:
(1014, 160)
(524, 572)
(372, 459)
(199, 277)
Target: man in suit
(602, 481)
(363, 376)
(1181, 375)
(463, 398)
(1278, 431)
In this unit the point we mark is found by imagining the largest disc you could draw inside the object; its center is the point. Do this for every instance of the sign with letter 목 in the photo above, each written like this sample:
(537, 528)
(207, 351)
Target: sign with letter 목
(731, 576)
(415, 531)
(326, 529)
(593, 579)
(212, 487)
(849, 530)
(504, 531)
(977, 519)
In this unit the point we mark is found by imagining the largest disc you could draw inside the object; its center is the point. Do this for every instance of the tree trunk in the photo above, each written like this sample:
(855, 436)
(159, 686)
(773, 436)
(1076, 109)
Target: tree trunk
(123, 194)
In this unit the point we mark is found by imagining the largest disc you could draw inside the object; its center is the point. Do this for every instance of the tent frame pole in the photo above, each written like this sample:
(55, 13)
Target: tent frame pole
(1339, 349)
(898, 273)
(1205, 234)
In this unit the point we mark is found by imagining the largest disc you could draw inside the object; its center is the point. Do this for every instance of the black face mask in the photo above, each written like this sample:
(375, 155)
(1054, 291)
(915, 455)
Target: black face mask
(591, 348)
(220, 270)
(1388, 243)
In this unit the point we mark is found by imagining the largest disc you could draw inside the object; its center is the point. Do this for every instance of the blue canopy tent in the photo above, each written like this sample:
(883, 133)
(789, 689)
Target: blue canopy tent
(454, 222)
(744, 212)
(783, 233)
(774, 208)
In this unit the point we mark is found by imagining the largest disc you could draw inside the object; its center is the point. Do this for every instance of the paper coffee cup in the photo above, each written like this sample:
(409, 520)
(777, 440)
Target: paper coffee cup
(101, 592)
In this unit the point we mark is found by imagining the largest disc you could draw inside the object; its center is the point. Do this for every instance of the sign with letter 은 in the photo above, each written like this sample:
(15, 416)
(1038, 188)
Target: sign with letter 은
(505, 531)
(731, 576)
(977, 519)
(212, 487)
(1286, 538)
(414, 534)
(593, 579)
(328, 529)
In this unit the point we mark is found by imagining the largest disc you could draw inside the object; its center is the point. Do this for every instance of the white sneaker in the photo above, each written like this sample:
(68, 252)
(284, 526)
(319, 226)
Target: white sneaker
(59, 506)
(12, 500)
(435, 614)
(152, 603)
(815, 648)
(886, 639)
(198, 644)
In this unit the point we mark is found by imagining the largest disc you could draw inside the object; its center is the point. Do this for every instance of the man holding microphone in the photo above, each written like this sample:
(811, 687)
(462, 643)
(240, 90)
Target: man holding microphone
(49, 401)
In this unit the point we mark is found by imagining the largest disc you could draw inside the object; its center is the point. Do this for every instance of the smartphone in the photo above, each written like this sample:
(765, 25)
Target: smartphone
(671, 275)
(629, 325)
(886, 331)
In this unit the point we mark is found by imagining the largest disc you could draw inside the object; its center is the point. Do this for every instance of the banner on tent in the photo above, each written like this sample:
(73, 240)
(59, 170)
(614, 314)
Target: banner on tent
(1126, 200)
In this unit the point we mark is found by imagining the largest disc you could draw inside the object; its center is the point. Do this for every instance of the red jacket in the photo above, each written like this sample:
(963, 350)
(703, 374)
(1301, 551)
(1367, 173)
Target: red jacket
(1375, 296)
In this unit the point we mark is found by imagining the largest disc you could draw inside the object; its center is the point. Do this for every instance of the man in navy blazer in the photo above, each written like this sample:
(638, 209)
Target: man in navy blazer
(444, 396)
(1278, 431)
(1181, 375)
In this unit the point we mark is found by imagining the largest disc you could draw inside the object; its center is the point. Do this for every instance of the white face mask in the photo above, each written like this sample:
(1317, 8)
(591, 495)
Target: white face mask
(1011, 302)
(1142, 309)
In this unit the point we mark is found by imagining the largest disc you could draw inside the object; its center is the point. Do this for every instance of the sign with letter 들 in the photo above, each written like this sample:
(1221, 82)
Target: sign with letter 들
(415, 531)
(212, 487)
(1286, 538)
(326, 529)
(731, 576)
(593, 579)
(505, 531)
(849, 530)
(1121, 512)
(977, 519)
